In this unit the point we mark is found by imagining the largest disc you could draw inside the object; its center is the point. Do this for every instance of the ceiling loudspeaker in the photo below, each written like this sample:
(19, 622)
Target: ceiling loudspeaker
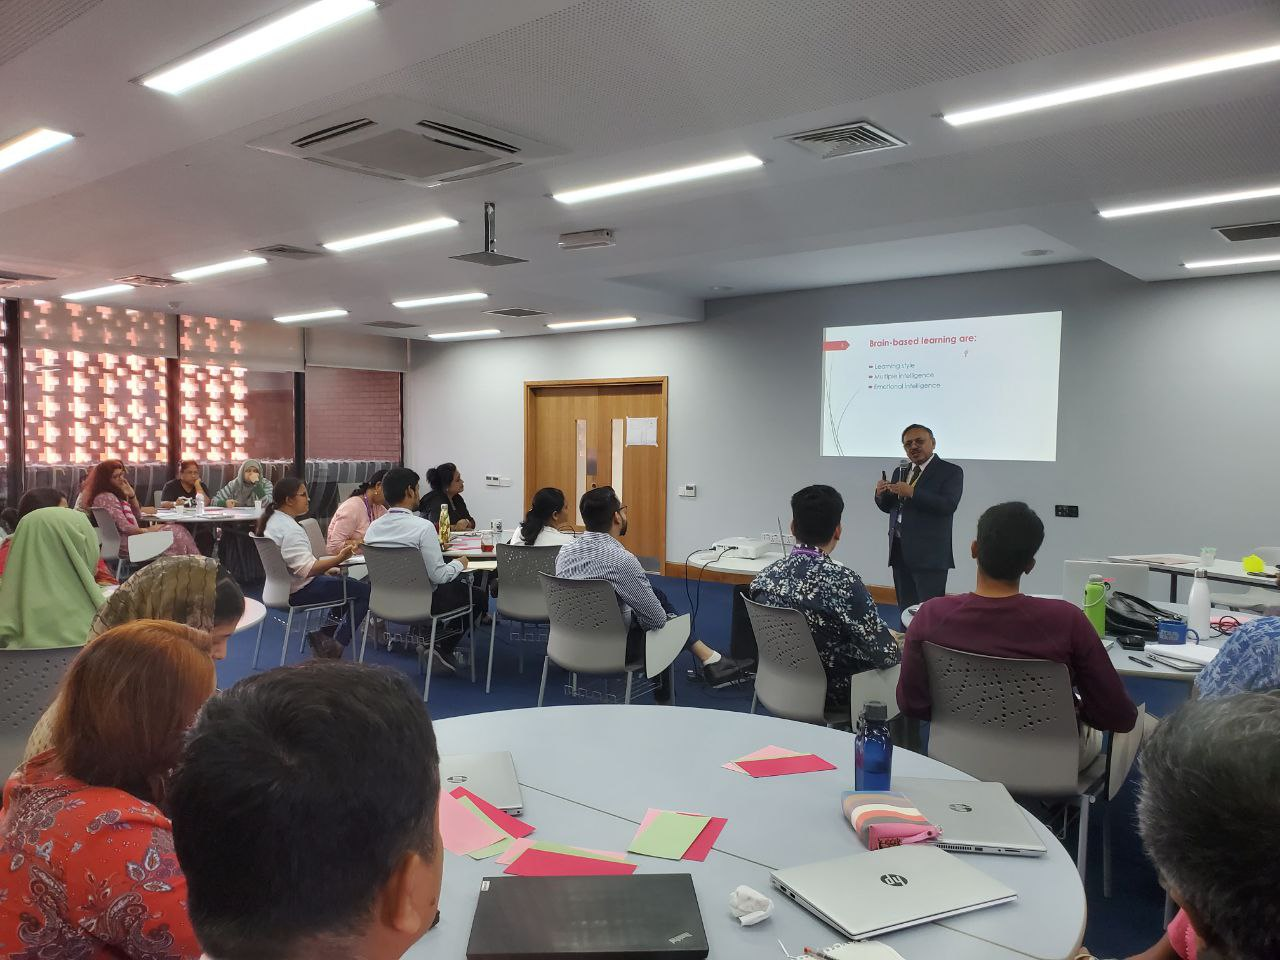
(394, 138)
(586, 239)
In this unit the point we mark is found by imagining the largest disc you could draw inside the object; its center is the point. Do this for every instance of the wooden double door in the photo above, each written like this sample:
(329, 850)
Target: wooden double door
(583, 434)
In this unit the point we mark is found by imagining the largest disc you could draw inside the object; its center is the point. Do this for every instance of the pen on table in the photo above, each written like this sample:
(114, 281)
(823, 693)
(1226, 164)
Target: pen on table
(1142, 663)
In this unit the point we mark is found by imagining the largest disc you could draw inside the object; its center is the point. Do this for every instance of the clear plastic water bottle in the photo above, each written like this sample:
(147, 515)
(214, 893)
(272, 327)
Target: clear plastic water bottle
(200, 502)
(873, 749)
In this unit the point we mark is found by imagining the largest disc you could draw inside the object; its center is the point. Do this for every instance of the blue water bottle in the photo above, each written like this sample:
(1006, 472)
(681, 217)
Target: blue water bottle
(873, 749)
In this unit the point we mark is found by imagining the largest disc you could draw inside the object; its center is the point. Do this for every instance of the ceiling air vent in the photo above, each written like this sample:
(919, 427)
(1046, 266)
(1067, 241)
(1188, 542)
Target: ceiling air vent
(142, 280)
(845, 140)
(1251, 231)
(391, 324)
(516, 312)
(284, 251)
(395, 138)
(9, 279)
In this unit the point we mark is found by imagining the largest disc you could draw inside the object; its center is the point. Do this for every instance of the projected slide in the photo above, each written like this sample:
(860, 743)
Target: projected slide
(987, 386)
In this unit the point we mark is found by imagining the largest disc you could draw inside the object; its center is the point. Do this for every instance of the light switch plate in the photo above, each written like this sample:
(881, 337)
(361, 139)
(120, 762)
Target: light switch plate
(491, 480)
(504, 481)
(689, 490)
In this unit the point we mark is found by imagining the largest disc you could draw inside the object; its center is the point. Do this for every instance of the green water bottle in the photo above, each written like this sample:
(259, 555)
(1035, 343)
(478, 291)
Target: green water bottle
(1095, 602)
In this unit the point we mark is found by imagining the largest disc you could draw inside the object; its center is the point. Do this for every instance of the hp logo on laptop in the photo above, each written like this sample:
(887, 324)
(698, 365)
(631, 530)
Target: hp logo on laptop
(457, 778)
(893, 880)
(960, 807)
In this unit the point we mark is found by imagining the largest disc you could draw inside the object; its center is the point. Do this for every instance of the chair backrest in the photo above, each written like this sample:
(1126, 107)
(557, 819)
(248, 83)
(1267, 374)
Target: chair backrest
(586, 633)
(1132, 578)
(1269, 555)
(108, 535)
(345, 490)
(790, 680)
(275, 592)
(1009, 721)
(521, 597)
(315, 535)
(147, 546)
(399, 588)
(28, 683)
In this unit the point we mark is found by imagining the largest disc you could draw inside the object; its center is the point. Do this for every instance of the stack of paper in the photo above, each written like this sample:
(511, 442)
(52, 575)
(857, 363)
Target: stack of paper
(778, 761)
(473, 827)
(673, 835)
(525, 858)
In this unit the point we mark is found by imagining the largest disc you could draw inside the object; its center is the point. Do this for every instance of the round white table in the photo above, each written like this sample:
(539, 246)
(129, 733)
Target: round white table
(589, 772)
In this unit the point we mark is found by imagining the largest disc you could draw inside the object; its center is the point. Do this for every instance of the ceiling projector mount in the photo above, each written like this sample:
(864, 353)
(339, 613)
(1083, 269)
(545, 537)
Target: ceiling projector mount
(487, 257)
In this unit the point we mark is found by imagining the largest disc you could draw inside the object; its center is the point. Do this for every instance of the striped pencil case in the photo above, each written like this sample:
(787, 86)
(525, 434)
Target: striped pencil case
(883, 819)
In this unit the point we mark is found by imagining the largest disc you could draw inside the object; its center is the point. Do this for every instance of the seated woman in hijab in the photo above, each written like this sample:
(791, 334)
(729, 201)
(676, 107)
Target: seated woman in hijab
(48, 594)
(248, 487)
(37, 499)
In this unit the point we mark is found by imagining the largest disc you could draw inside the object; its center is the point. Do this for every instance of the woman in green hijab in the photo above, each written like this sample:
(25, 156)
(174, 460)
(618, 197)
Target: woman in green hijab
(48, 596)
(249, 485)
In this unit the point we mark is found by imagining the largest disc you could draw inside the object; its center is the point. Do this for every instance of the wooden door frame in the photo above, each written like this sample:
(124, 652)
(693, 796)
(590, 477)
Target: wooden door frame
(530, 462)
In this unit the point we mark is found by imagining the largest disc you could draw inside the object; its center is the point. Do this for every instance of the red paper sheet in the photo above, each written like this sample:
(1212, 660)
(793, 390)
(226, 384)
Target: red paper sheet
(805, 763)
(504, 820)
(699, 849)
(543, 863)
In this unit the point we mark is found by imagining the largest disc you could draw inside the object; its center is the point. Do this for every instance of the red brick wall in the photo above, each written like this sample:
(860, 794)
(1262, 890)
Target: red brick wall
(353, 414)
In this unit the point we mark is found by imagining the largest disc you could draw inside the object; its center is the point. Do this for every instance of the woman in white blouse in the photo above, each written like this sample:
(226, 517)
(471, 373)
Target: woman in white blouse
(542, 524)
(279, 522)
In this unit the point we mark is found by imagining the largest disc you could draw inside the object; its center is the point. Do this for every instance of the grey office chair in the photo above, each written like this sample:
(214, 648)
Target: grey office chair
(345, 490)
(1250, 599)
(586, 633)
(275, 596)
(315, 535)
(28, 684)
(401, 591)
(790, 680)
(138, 549)
(1014, 722)
(521, 598)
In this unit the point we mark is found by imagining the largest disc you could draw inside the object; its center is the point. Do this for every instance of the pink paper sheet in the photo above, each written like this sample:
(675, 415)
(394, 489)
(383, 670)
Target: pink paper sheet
(701, 847)
(806, 763)
(543, 863)
(504, 820)
(462, 830)
(764, 753)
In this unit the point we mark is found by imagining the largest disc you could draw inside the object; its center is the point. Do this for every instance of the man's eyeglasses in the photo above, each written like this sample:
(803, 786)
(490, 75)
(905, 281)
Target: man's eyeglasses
(917, 442)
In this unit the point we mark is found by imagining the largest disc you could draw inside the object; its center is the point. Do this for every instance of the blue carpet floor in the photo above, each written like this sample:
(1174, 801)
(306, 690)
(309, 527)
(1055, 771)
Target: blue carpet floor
(1128, 922)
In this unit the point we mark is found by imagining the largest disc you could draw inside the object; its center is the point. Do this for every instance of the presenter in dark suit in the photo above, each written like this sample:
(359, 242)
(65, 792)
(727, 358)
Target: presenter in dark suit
(921, 499)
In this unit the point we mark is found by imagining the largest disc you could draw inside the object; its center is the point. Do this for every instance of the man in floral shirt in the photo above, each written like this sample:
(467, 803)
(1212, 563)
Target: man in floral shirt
(843, 618)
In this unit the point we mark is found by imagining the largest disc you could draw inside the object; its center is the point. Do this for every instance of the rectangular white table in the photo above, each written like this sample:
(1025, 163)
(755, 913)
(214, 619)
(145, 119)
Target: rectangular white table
(1185, 565)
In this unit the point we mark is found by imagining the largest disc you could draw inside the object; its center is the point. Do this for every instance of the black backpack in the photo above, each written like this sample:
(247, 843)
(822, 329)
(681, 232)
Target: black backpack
(1127, 614)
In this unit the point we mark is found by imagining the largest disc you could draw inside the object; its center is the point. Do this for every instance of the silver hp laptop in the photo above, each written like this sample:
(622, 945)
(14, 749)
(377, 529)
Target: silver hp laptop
(869, 894)
(974, 817)
(490, 776)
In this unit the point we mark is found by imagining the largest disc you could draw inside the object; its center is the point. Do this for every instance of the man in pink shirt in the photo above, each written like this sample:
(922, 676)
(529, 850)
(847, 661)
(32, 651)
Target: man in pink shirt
(998, 620)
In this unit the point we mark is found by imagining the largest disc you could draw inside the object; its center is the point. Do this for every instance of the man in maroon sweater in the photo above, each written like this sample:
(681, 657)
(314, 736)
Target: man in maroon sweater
(998, 620)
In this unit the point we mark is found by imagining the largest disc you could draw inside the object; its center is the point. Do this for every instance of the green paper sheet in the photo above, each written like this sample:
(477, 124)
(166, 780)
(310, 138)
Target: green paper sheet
(669, 835)
(492, 850)
(575, 851)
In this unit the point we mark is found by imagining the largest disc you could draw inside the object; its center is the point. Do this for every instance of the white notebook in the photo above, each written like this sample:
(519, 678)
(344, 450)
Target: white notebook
(1189, 652)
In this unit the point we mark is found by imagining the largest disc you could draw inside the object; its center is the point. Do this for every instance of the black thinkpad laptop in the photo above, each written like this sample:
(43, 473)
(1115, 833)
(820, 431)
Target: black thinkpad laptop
(650, 916)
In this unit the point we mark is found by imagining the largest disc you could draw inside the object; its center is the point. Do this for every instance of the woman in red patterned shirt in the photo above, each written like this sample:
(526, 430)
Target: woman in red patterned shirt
(107, 487)
(85, 849)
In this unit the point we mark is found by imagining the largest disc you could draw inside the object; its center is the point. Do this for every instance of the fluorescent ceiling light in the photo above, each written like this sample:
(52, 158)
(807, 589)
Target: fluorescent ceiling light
(314, 315)
(252, 43)
(436, 301)
(680, 175)
(395, 233)
(1120, 84)
(580, 324)
(27, 145)
(1184, 203)
(1233, 262)
(209, 269)
(106, 291)
(463, 334)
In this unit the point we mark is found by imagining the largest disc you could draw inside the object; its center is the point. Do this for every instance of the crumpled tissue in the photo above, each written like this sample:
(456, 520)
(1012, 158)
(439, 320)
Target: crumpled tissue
(749, 906)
